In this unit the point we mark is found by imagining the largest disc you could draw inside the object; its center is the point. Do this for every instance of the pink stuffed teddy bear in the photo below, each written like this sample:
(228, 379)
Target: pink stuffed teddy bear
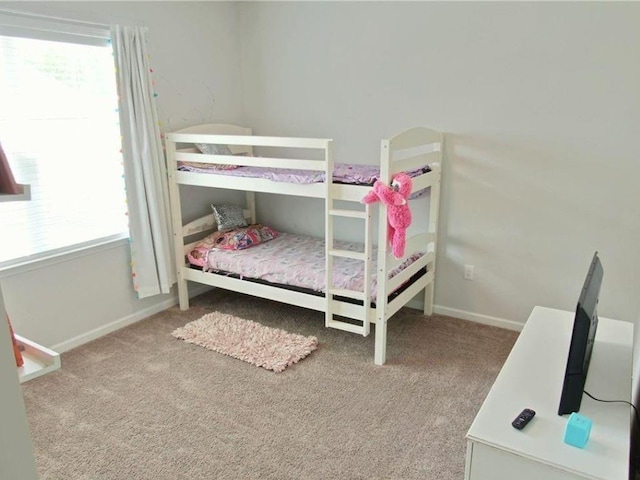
(398, 212)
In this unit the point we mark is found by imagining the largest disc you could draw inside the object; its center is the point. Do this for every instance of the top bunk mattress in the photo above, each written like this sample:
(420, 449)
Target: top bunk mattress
(346, 173)
(293, 260)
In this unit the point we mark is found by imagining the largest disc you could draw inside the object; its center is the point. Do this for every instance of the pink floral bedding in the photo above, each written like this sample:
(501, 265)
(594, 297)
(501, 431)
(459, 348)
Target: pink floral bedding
(356, 174)
(297, 261)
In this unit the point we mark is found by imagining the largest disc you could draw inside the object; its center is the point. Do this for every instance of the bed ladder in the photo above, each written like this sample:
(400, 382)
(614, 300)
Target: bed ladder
(333, 306)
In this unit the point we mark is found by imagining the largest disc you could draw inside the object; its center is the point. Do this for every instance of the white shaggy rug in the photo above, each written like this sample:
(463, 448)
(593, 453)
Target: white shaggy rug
(265, 347)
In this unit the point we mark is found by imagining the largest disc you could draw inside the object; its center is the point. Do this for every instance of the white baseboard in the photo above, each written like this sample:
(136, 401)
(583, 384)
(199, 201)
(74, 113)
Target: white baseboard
(478, 318)
(199, 289)
(124, 322)
(469, 316)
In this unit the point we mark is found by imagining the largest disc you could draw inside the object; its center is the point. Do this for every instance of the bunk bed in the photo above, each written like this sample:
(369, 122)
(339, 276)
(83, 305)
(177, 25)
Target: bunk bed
(301, 167)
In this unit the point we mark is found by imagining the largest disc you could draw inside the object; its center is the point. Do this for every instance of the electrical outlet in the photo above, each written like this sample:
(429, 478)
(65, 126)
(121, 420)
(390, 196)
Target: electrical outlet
(468, 272)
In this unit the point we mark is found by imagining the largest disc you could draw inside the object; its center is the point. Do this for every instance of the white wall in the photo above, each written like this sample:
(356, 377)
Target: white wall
(193, 51)
(539, 102)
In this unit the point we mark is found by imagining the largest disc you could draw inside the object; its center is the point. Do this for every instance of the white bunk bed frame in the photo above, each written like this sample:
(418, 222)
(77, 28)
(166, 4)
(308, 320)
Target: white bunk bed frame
(408, 150)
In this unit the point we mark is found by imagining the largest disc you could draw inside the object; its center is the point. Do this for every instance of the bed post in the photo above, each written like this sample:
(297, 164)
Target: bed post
(380, 356)
(176, 222)
(251, 205)
(434, 209)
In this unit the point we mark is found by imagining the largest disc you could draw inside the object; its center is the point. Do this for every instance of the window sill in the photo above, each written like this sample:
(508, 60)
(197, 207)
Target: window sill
(38, 360)
(68, 255)
(17, 197)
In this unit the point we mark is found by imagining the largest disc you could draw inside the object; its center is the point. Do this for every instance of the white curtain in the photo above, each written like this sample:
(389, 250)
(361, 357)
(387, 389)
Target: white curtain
(152, 263)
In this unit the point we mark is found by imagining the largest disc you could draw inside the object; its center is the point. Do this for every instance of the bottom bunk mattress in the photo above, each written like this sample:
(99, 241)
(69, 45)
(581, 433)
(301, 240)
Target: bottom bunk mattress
(291, 260)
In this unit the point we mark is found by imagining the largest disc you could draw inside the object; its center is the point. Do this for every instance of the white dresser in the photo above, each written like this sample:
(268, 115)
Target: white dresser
(532, 377)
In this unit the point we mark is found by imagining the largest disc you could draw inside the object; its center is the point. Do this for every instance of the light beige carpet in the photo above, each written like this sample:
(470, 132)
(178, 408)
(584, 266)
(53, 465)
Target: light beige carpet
(139, 404)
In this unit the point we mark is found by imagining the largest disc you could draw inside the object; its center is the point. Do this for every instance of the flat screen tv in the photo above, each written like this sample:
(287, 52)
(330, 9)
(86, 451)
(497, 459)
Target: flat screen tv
(583, 335)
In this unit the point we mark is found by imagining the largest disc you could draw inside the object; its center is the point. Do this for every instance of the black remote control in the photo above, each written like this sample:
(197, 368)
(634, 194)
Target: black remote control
(525, 417)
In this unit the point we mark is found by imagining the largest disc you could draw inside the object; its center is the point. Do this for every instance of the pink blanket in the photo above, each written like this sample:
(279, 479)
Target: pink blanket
(356, 174)
(298, 261)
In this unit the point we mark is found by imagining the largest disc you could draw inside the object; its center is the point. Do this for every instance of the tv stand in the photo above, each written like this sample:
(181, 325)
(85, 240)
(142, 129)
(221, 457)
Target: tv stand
(532, 377)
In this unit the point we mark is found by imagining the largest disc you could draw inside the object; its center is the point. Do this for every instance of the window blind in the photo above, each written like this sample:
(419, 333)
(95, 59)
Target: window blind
(59, 128)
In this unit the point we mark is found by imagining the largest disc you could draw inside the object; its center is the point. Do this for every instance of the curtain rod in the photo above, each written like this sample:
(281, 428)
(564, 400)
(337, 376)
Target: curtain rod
(51, 17)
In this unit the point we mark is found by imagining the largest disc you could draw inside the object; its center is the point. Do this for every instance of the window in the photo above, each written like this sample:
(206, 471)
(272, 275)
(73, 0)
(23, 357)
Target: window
(59, 129)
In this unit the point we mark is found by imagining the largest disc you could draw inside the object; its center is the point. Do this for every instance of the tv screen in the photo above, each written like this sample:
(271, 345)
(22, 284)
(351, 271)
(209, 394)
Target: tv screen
(585, 324)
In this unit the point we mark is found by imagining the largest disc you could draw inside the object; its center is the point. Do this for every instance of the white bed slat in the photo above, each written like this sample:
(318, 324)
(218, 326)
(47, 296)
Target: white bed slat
(401, 300)
(236, 150)
(415, 162)
(347, 254)
(347, 327)
(351, 193)
(202, 224)
(403, 153)
(206, 223)
(416, 243)
(426, 180)
(249, 140)
(257, 289)
(263, 185)
(348, 213)
(341, 292)
(351, 310)
(216, 129)
(245, 161)
(394, 283)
